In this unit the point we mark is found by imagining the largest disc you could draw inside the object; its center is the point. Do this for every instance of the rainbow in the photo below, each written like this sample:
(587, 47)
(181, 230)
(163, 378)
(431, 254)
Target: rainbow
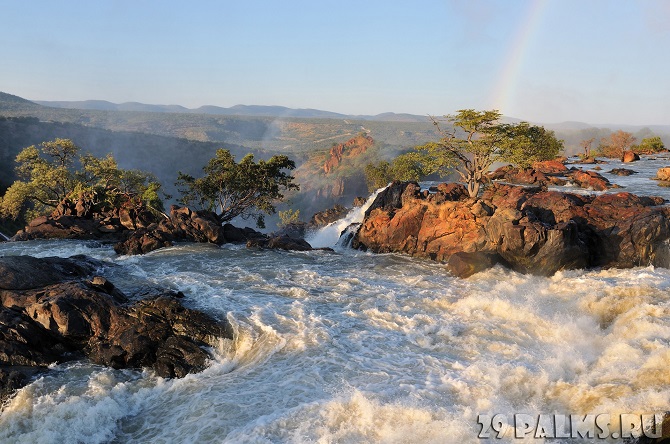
(505, 89)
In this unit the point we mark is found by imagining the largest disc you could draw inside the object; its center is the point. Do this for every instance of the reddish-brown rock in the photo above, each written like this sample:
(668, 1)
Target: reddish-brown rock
(590, 180)
(351, 148)
(630, 156)
(663, 174)
(556, 166)
(528, 229)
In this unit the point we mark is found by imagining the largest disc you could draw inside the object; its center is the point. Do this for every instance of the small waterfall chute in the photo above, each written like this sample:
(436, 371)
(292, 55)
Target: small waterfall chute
(329, 236)
(3, 237)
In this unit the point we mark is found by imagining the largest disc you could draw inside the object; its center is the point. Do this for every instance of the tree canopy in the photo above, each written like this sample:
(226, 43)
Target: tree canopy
(56, 170)
(405, 167)
(484, 141)
(616, 144)
(650, 145)
(232, 189)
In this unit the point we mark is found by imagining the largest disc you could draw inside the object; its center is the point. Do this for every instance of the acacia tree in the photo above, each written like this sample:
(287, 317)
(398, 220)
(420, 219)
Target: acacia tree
(56, 171)
(485, 141)
(233, 189)
(616, 144)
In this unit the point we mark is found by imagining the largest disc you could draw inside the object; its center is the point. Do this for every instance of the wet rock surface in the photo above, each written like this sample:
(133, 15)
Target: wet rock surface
(55, 310)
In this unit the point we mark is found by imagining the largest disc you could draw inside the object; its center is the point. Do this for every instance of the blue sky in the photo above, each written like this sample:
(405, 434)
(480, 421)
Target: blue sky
(597, 61)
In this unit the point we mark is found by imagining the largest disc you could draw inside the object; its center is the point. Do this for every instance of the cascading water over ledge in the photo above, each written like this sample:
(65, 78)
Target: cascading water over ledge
(329, 236)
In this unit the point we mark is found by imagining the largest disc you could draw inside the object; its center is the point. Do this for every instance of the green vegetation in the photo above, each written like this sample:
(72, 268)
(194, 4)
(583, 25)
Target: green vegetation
(485, 141)
(650, 145)
(288, 217)
(233, 189)
(405, 167)
(56, 171)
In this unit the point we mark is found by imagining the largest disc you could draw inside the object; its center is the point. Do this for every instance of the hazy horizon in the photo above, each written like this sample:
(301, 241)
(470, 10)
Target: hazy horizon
(599, 62)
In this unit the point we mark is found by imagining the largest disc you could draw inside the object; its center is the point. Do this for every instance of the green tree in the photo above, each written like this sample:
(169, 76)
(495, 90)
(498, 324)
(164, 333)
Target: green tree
(405, 167)
(484, 142)
(288, 217)
(650, 145)
(232, 189)
(57, 171)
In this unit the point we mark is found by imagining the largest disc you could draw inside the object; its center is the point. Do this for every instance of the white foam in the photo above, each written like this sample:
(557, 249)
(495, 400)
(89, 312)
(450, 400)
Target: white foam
(329, 235)
(359, 347)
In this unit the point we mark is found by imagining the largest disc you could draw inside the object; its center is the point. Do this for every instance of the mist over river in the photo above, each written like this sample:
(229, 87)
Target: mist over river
(352, 347)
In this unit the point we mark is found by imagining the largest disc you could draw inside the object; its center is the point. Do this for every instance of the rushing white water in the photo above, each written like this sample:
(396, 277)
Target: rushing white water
(353, 347)
(329, 235)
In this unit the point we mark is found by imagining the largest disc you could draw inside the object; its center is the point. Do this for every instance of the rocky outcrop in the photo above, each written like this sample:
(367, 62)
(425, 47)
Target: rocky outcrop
(589, 180)
(325, 217)
(629, 156)
(351, 148)
(551, 172)
(526, 228)
(81, 220)
(184, 225)
(55, 310)
(663, 174)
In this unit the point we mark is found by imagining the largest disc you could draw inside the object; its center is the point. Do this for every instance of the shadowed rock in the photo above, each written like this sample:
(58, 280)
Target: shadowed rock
(54, 310)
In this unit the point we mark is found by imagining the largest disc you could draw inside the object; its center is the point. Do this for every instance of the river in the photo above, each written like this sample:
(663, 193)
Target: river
(352, 347)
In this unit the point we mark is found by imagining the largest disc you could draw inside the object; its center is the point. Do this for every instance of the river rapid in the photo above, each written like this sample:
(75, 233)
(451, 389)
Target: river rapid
(352, 347)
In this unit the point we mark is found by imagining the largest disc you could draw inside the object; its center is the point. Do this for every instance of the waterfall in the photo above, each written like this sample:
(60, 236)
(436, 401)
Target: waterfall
(329, 235)
(3, 237)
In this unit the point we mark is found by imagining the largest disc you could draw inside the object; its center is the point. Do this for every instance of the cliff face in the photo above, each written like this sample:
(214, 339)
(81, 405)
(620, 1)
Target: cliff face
(528, 229)
(351, 148)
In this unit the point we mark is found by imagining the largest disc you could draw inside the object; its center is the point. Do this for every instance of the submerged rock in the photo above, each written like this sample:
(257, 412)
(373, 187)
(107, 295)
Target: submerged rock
(622, 172)
(528, 229)
(281, 243)
(55, 310)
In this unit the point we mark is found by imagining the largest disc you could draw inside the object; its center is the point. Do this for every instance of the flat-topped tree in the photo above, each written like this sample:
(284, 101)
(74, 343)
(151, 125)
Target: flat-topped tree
(232, 189)
(485, 141)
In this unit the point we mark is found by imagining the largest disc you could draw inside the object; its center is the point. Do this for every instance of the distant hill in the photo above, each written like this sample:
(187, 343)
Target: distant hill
(11, 102)
(237, 110)
(277, 128)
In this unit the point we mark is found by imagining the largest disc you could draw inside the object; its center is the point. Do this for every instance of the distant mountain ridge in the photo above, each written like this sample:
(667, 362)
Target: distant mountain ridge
(11, 102)
(236, 110)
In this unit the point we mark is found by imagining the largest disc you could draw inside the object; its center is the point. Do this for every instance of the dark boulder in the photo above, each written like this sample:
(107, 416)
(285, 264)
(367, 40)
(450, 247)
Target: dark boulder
(391, 198)
(281, 243)
(295, 230)
(60, 311)
(622, 172)
(184, 225)
(325, 217)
